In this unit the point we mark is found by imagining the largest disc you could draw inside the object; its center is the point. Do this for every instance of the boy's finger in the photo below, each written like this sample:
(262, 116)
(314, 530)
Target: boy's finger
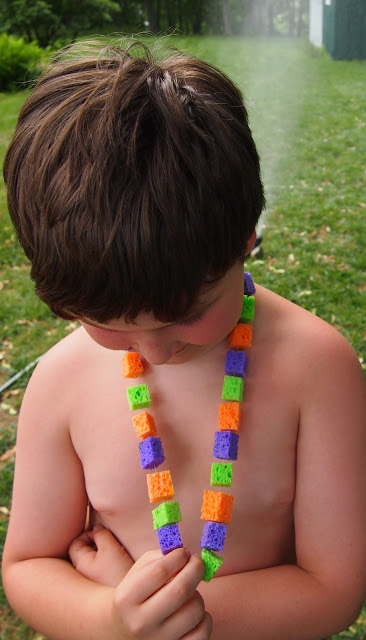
(185, 620)
(203, 630)
(147, 558)
(80, 548)
(108, 545)
(176, 592)
(140, 585)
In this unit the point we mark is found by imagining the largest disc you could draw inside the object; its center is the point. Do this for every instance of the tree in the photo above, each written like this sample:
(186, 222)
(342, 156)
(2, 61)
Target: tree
(303, 8)
(153, 15)
(226, 17)
(48, 20)
(291, 17)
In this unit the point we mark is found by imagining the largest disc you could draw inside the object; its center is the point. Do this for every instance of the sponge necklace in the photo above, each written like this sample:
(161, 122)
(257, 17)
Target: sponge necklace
(217, 506)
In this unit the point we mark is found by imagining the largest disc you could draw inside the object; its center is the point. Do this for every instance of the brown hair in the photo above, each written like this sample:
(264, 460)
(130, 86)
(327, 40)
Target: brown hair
(132, 182)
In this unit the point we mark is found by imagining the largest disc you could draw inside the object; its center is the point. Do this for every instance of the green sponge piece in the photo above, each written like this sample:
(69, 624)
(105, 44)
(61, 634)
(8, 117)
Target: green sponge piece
(233, 388)
(166, 513)
(221, 474)
(138, 397)
(247, 312)
(212, 563)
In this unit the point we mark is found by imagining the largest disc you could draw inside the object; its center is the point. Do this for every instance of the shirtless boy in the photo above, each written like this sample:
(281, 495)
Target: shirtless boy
(134, 187)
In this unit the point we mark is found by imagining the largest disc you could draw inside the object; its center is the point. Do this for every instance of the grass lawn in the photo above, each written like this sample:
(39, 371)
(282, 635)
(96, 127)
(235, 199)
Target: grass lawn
(309, 119)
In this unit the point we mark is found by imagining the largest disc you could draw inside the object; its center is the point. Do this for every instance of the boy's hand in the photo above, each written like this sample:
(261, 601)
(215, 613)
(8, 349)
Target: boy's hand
(158, 600)
(98, 556)
(156, 596)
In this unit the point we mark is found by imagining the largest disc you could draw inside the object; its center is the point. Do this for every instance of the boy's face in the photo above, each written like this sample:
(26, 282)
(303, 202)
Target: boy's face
(209, 323)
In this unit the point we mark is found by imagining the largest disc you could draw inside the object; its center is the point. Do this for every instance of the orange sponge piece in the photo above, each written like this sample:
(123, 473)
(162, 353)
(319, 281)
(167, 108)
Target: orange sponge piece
(241, 336)
(217, 506)
(229, 416)
(160, 486)
(144, 425)
(132, 366)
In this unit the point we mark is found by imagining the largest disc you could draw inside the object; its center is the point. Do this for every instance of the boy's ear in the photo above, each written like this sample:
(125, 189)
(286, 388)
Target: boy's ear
(251, 242)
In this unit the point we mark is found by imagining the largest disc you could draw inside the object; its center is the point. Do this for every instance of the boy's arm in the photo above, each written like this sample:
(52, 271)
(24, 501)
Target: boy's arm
(157, 600)
(324, 592)
(48, 510)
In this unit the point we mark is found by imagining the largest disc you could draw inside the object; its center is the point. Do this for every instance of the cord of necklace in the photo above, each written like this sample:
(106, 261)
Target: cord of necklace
(217, 506)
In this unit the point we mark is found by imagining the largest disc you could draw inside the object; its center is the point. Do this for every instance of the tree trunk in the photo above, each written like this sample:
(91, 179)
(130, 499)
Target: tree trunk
(226, 17)
(300, 18)
(170, 14)
(197, 18)
(270, 18)
(152, 16)
(291, 17)
(180, 16)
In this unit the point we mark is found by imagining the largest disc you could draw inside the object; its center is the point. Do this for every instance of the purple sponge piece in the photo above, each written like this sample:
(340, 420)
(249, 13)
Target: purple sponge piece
(249, 287)
(236, 363)
(213, 536)
(151, 453)
(169, 538)
(226, 445)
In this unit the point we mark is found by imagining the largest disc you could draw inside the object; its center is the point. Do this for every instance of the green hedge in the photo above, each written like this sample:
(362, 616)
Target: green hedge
(20, 62)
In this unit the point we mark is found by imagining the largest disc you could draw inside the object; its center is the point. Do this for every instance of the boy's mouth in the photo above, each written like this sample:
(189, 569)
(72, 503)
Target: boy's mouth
(178, 351)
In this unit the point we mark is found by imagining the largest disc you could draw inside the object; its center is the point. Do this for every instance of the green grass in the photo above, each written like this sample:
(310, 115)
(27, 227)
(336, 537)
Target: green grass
(309, 119)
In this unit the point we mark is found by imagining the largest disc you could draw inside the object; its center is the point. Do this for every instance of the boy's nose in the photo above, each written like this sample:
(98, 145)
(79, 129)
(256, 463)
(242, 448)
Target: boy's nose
(155, 350)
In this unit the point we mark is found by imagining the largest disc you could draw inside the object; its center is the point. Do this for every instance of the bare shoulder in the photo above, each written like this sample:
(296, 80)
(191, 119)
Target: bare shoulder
(304, 338)
(68, 357)
(58, 374)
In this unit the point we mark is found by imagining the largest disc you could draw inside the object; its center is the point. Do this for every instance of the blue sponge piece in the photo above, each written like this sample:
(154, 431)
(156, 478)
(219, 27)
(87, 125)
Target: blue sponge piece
(236, 363)
(169, 538)
(213, 536)
(226, 445)
(249, 287)
(151, 453)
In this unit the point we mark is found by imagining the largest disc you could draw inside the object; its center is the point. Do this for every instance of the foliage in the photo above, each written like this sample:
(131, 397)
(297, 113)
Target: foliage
(268, 17)
(49, 20)
(19, 61)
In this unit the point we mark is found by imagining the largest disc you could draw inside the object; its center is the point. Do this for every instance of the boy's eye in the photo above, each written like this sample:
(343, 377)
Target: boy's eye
(191, 320)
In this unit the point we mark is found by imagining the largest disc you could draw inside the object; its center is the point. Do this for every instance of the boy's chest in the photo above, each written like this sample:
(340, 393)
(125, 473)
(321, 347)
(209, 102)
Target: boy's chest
(186, 414)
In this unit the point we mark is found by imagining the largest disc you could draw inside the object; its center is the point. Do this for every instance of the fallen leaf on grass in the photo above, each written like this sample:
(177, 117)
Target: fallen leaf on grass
(275, 270)
(4, 510)
(7, 407)
(74, 325)
(23, 322)
(11, 393)
(10, 453)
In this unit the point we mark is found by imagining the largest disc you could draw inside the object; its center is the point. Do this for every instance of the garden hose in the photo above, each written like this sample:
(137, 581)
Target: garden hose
(9, 383)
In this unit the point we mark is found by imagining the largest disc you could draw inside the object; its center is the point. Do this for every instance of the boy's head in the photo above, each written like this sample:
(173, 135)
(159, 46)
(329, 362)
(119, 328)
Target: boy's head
(133, 184)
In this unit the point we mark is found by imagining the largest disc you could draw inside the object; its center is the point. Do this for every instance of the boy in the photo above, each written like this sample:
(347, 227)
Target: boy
(134, 187)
